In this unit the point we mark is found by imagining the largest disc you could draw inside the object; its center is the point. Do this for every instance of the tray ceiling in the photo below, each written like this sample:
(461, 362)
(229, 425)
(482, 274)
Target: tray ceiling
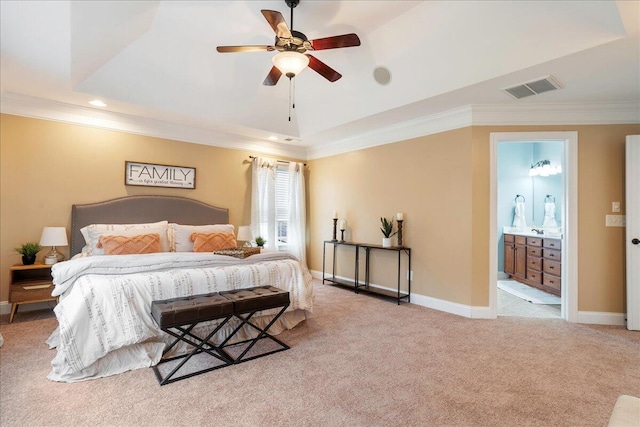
(156, 60)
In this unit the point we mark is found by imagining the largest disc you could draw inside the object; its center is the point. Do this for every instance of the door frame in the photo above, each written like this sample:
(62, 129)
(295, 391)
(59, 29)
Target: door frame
(632, 208)
(569, 293)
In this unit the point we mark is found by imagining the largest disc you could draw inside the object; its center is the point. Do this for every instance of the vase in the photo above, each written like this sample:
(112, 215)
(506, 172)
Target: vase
(386, 242)
(28, 260)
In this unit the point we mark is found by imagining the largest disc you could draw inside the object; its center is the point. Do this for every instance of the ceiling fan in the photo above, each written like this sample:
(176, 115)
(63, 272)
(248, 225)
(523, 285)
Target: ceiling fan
(292, 46)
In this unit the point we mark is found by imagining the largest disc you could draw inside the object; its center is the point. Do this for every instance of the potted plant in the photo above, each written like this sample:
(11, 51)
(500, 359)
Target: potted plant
(387, 231)
(28, 252)
(260, 241)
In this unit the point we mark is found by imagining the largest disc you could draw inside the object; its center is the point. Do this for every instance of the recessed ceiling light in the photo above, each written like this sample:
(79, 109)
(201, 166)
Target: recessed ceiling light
(97, 103)
(273, 138)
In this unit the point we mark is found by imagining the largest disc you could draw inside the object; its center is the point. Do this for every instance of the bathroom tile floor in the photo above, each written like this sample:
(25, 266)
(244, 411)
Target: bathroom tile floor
(511, 305)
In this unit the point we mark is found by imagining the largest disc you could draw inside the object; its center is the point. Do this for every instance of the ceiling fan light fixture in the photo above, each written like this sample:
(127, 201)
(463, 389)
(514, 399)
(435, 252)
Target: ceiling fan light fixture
(290, 63)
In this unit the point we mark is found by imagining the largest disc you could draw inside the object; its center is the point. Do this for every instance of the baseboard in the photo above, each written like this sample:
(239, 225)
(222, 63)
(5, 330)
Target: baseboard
(602, 318)
(472, 312)
(5, 307)
(463, 310)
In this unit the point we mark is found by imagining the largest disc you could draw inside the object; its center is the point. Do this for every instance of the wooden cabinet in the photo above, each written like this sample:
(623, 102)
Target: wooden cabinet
(509, 254)
(552, 271)
(520, 253)
(29, 284)
(535, 261)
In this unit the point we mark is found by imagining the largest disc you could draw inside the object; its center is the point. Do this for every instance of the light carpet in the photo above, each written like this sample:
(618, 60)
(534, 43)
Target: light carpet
(528, 293)
(357, 361)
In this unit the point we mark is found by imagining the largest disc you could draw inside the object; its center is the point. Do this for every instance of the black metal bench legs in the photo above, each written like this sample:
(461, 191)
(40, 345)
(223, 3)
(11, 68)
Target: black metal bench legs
(263, 334)
(246, 303)
(179, 316)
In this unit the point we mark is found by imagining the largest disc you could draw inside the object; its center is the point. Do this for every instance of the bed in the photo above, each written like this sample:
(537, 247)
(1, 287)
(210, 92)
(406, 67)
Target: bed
(104, 317)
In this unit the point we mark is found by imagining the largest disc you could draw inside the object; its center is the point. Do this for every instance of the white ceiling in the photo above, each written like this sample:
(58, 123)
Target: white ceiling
(156, 66)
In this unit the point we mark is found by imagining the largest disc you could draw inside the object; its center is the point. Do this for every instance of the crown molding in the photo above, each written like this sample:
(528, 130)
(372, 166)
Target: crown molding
(486, 115)
(39, 108)
(557, 114)
(436, 123)
(469, 115)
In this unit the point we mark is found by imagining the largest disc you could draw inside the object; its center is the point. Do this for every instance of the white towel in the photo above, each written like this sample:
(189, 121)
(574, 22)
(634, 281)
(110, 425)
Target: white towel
(518, 217)
(549, 215)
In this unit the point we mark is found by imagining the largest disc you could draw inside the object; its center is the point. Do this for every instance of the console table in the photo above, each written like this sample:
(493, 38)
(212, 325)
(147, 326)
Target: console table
(398, 295)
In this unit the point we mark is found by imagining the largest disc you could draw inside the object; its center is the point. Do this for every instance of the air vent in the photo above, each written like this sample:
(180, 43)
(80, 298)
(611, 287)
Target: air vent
(534, 87)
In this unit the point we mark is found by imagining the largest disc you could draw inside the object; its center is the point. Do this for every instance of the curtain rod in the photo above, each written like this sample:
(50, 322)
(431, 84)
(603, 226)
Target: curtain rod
(278, 160)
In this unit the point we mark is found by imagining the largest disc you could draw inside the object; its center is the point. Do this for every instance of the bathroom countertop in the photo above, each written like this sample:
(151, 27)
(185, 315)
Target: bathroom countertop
(529, 233)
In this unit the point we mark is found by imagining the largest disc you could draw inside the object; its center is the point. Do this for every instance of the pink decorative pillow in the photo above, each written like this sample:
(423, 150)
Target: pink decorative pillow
(209, 242)
(126, 245)
(180, 235)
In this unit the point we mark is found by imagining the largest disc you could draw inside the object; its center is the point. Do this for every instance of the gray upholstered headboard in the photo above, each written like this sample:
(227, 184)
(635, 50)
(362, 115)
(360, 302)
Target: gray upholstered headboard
(141, 209)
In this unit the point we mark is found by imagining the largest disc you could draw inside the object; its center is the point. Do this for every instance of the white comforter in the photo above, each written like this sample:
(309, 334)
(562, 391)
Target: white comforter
(105, 324)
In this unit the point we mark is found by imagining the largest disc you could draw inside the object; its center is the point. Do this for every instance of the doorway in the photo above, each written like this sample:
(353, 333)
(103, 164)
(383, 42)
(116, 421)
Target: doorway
(530, 146)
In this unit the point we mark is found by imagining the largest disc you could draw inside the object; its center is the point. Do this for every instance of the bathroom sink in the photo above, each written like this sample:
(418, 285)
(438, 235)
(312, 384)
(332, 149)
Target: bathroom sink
(527, 232)
(557, 234)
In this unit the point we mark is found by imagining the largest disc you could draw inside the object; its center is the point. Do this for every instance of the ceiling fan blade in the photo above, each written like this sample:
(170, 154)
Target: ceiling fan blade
(277, 22)
(273, 77)
(323, 69)
(345, 40)
(255, 48)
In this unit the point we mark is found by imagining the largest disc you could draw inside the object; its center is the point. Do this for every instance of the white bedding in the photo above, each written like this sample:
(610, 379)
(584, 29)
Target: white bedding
(105, 324)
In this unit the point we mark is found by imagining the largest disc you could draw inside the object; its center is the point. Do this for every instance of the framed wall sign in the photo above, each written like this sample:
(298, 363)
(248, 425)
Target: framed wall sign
(150, 175)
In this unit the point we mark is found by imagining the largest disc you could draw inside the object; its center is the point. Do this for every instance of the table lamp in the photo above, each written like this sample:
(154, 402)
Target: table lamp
(244, 235)
(53, 236)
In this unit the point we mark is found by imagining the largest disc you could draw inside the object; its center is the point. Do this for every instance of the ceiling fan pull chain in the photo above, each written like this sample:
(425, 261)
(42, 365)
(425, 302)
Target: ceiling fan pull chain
(290, 102)
(293, 99)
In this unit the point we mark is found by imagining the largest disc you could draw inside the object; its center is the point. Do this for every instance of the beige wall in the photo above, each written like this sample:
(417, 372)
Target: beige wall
(429, 179)
(441, 183)
(47, 166)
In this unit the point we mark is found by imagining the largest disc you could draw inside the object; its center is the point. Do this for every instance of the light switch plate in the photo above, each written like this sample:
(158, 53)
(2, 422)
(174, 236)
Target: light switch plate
(615, 206)
(616, 221)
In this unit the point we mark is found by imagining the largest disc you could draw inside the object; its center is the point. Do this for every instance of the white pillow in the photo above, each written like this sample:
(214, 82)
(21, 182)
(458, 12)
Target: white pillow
(180, 235)
(92, 233)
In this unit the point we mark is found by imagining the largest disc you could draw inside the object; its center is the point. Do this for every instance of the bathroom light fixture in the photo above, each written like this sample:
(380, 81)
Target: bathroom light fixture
(544, 168)
(290, 63)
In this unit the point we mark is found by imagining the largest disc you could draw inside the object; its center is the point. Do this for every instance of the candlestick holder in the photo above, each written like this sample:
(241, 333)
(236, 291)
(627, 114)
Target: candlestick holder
(335, 228)
(400, 232)
(341, 236)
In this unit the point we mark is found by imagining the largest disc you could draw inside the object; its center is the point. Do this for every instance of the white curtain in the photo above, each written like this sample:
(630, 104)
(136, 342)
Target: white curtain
(263, 200)
(297, 226)
(263, 206)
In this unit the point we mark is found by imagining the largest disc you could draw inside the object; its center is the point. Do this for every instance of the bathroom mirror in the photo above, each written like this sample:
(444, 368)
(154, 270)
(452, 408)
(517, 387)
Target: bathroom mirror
(514, 165)
(546, 189)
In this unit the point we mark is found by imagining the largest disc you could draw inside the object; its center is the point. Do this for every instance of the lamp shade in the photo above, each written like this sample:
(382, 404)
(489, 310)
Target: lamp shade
(54, 236)
(290, 63)
(244, 233)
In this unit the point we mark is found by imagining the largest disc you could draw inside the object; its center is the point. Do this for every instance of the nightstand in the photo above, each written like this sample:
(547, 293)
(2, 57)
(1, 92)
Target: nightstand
(29, 284)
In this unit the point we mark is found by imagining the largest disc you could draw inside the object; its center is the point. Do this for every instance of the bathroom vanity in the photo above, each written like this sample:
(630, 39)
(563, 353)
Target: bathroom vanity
(535, 260)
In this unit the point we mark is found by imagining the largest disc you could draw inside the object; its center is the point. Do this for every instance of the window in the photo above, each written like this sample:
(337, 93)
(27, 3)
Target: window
(282, 206)
(278, 205)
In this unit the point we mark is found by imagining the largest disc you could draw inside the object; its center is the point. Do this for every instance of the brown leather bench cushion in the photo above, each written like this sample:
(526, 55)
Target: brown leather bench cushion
(185, 310)
(258, 298)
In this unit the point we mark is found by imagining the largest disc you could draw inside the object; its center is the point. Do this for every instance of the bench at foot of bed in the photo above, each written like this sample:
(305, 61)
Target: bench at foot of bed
(179, 316)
